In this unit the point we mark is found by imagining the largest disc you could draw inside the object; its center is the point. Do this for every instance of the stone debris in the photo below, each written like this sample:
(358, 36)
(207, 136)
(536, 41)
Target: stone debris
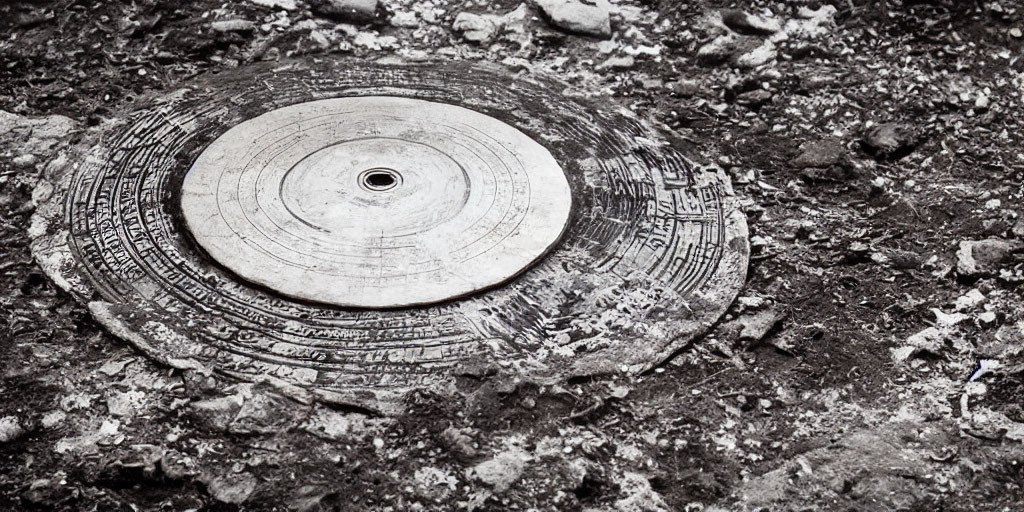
(287, 5)
(891, 140)
(10, 429)
(638, 495)
(227, 26)
(748, 41)
(970, 300)
(587, 17)
(502, 470)
(750, 25)
(756, 326)
(484, 28)
(477, 28)
(233, 489)
(984, 257)
(33, 136)
(361, 11)
(404, 19)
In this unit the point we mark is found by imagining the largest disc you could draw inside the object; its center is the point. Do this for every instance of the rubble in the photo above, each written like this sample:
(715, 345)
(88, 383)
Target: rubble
(591, 18)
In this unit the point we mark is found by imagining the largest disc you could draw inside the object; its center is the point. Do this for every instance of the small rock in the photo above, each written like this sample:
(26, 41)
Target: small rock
(10, 429)
(231, 488)
(111, 368)
(349, 10)
(591, 18)
(1016, 32)
(685, 88)
(503, 470)
(476, 28)
(125, 404)
(718, 50)
(1018, 228)
(49, 493)
(623, 62)
(218, 413)
(970, 300)
(459, 443)
(759, 56)
(981, 257)
(25, 161)
(821, 154)
(226, 26)
(747, 24)
(891, 140)
(930, 340)
(755, 327)
(754, 99)
(287, 5)
(405, 20)
(987, 318)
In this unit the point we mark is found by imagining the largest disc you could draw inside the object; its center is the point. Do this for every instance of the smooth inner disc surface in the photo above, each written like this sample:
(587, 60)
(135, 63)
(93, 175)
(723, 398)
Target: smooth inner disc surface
(375, 201)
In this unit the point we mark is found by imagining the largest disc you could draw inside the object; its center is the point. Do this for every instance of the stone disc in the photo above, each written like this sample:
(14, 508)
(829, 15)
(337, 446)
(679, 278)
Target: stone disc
(375, 202)
(222, 227)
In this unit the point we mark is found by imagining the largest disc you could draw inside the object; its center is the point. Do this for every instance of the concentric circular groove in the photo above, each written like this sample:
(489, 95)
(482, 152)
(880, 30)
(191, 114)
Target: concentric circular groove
(305, 201)
(652, 251)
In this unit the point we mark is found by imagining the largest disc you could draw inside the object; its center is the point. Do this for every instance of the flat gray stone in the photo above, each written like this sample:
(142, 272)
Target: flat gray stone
(289, 200)
(591, 18)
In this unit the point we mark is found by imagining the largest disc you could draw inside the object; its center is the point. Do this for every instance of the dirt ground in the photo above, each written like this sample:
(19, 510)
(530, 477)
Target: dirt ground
(874, 361)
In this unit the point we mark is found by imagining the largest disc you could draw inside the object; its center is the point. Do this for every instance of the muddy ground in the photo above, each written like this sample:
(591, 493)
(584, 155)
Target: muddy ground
(873, 361)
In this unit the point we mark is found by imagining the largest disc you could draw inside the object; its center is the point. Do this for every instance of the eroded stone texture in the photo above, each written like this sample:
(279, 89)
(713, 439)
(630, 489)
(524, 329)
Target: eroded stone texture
(654, 250)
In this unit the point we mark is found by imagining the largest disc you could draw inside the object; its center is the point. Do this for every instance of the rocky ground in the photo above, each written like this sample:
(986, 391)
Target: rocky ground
(875, 360)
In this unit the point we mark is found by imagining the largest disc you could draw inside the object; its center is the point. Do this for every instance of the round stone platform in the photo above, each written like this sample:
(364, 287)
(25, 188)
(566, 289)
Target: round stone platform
(358, 230)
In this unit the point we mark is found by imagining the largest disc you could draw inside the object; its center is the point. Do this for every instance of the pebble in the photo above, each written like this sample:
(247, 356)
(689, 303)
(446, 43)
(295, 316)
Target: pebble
(754, 98)
(503, 470)
(476, 28)
(287, 5)
(349, 10)
(623, 62)
(226, 26)
(1016, 32)
(232, 489)
(25, 161)
(987, 318)
(404, 20)
(821, 154)
(889, 138)
(591, 19)
(979, 257)
(746, 24)
(970, 300)
(10, 429)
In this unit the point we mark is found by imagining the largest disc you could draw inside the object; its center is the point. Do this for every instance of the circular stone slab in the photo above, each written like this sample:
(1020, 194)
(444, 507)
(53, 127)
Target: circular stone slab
(375, 202)
(652, 252)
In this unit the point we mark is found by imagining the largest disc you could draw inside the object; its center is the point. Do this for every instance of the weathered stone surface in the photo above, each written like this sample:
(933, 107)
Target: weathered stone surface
(650, 231)
(979, 257)
(821, 154)
(230, 488)
(591, 18)
(478, 28)
(503, 470)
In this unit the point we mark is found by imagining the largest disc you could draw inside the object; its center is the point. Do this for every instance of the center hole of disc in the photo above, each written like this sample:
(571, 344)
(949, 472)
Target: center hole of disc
(380, 179)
